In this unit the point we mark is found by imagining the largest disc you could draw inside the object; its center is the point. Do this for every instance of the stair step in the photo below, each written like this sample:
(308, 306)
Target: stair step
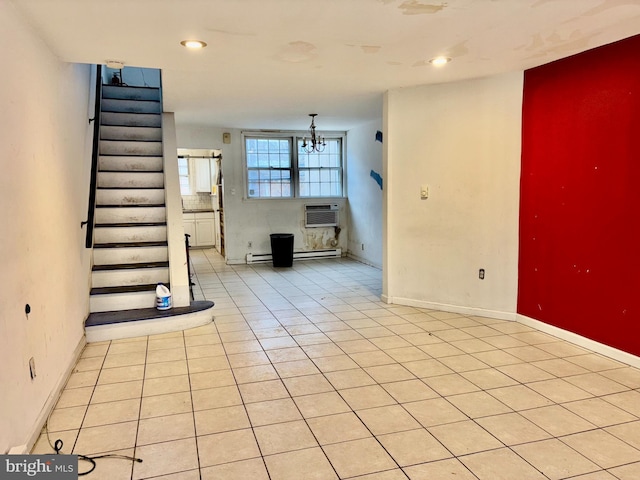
(130, 93)
(130, 214)
(150, 287)
(130, 106)
(124, 266)
(126, 277)
(130, 148)
(134, 180)
(130, 245)
(120, 254)
(130, 225)
(131, 119)
(114, 163)
(130, 234)
(110, 299)
(104, 326)
(129, 196)
(131, 133)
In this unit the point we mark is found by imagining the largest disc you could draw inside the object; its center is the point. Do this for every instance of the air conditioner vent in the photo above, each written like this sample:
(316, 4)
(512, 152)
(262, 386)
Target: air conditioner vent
(321, 215)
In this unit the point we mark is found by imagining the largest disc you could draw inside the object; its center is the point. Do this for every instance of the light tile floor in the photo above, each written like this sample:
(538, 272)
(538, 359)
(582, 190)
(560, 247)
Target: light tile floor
(305, 374)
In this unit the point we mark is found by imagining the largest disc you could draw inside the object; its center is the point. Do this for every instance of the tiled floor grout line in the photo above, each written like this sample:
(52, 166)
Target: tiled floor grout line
(193, 413)
(144, 376)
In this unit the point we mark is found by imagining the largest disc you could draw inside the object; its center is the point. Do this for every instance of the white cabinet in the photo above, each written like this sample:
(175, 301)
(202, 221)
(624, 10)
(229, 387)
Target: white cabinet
(204, 229)
(189, 221)
(201, 228)
(203, 174)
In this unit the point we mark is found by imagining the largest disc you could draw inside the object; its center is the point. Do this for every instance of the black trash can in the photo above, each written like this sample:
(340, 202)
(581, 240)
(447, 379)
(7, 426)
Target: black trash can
(282, 249)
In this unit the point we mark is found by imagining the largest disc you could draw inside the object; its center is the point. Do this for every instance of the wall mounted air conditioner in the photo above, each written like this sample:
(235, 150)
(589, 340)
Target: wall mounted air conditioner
(321, 215)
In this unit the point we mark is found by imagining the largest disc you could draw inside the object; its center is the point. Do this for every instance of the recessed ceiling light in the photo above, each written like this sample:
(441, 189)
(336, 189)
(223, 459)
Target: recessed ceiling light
(439, 61)
(194, 44)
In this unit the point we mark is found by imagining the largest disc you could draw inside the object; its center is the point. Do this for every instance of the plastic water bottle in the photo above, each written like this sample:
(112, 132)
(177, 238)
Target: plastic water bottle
(163, 297)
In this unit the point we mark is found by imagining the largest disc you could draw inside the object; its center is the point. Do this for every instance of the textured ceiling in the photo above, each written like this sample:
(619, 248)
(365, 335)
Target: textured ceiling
(271, 62)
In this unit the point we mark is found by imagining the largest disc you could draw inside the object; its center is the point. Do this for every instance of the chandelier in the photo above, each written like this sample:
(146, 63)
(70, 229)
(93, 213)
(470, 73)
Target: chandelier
(315, 143)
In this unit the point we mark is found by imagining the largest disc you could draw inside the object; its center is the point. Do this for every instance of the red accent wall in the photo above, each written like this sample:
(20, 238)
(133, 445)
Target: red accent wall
(579, 264)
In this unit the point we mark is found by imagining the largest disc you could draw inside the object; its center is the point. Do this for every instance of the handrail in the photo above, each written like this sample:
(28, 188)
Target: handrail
(94, 161)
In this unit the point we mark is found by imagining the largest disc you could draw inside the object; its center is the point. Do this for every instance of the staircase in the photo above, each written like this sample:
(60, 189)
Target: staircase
(130, 238)
(130, 255)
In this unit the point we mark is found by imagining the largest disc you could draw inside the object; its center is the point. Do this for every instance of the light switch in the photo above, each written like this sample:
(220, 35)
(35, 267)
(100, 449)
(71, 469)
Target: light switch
(424, 192)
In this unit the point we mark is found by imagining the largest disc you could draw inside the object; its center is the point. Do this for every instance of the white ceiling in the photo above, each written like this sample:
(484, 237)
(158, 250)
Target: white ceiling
(271, 62)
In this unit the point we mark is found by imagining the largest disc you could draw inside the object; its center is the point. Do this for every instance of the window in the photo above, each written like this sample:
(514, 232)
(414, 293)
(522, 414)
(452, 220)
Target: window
(277, 170)
(320, 174)
(269, 169)
(183, 172)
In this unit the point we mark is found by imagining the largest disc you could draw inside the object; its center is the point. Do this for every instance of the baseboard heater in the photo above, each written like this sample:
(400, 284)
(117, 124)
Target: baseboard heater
(308, 255)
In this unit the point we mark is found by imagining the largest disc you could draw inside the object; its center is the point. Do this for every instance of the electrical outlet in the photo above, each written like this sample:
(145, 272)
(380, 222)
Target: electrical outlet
(362, 246)
(32, 368)
(481, 274)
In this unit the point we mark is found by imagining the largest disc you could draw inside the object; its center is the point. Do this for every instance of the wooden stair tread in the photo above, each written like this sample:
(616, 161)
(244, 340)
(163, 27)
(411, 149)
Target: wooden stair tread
(150, 287)
(131, 245)
(121, 316)
(132, 205)
(130, 266)
(146, 224)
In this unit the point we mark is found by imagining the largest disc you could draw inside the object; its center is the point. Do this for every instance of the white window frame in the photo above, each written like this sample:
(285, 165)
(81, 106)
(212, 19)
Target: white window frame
(294, 137)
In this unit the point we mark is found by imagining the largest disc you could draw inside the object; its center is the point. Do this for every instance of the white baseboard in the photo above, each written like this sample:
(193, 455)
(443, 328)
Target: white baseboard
(51, 401)
(581, 341)
(480, 312)
(364, 260)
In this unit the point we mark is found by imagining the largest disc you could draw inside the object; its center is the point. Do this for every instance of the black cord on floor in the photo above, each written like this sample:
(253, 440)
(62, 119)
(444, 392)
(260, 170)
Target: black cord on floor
(57, 446)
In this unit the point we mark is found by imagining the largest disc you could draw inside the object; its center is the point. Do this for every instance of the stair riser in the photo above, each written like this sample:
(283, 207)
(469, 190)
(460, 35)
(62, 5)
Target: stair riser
(130, 197)
(130, 106)
(130, 93)
(130, 234)
(130, 164)
(124, 148)
(123, 255)
(130, 180)
(127, 277)
(130, 133)
(130, 215)
(130, 119)
(121, 301)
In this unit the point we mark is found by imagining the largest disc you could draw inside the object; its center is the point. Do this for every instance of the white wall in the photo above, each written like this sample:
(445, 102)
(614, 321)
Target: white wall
(253, 220)
(45, 155)
(364, 155)
(463, 141)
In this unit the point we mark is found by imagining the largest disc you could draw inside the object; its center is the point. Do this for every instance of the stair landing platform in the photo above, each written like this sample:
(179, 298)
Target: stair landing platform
(103, 326)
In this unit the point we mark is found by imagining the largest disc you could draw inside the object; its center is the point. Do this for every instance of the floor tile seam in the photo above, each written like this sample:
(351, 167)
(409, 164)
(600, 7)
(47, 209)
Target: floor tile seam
(193, 415)
(135, 443)
(603, 429)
